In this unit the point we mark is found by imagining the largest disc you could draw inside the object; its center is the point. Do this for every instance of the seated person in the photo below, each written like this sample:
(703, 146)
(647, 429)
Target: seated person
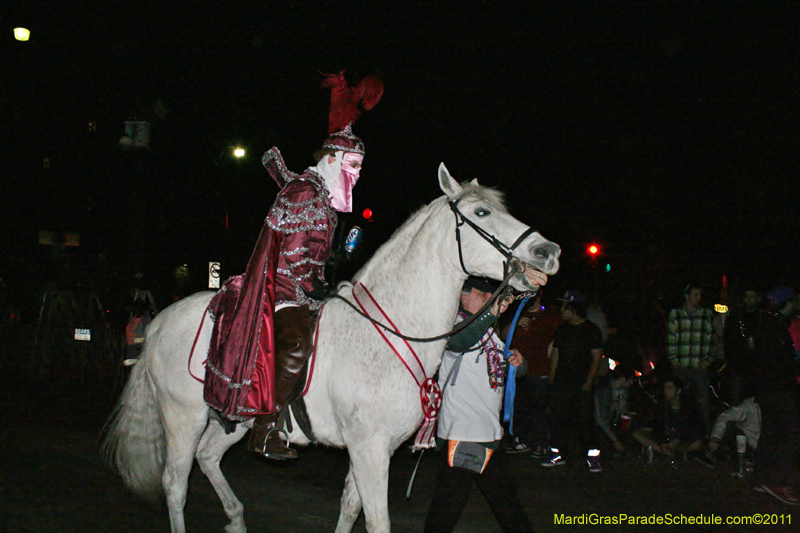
(746, 417)
(678, 428)
(611, 402)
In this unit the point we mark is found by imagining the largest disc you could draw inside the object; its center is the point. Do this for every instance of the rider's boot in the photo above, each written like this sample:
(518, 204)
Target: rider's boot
(292, 348)
(265, 438)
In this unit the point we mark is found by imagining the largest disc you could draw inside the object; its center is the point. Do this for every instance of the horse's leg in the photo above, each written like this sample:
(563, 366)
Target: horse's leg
(351, 505)
(183, 430)
(369, 463)
(213, 445)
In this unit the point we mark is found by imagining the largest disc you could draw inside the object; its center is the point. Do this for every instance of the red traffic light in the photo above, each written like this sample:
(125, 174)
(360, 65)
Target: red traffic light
(593, 249)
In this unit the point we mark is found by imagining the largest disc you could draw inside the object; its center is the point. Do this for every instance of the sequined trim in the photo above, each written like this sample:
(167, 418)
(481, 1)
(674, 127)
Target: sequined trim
(294, 217)
(316, 178)
(227, 379)
(346, 133)
(294, 278)
(305, 261)
(300, 250)
(338, 147)
(274, 154)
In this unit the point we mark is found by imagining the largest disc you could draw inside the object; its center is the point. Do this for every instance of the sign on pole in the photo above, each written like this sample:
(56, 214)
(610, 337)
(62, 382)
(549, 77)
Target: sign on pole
(213, 275)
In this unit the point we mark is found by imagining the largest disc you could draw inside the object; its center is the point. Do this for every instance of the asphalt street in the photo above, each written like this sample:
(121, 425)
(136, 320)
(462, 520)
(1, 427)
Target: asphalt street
(52, 479)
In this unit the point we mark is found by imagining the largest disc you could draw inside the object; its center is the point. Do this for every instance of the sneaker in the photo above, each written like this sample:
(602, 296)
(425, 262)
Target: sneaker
(538, 452)
(554, 459)
(782, 494)
(594, 463)
(517, 447)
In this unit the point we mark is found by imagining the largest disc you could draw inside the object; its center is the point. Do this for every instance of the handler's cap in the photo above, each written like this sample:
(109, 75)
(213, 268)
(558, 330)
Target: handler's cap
(573, 296)
(344, 141)
(778, 296)
(480, 284)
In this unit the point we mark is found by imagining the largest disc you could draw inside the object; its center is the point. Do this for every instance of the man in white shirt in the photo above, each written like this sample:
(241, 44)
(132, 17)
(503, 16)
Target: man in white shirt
(472, 378)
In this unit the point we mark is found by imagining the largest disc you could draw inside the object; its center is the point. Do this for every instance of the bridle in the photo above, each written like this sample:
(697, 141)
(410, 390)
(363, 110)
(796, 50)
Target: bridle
(511, 267)
(505, 251)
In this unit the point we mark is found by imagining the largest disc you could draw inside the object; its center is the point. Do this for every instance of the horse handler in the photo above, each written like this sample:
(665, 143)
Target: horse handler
(262, 319)
(472, 378)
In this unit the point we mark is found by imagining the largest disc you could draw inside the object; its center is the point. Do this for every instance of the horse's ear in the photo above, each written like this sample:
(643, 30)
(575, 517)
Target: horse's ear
(475, 182)
(448, 185)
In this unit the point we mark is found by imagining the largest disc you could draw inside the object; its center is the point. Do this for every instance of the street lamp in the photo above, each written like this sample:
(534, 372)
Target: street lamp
(238, 152)
(22, 34)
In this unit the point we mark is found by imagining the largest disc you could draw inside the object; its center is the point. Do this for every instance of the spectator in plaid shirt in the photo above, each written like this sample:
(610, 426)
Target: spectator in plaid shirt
(689, 347)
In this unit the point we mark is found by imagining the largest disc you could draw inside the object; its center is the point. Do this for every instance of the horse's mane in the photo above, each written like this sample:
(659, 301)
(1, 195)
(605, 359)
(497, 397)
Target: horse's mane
(490, 194)
(401, 239)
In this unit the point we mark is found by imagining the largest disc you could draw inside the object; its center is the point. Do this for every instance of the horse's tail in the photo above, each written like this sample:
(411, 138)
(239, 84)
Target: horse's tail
(134, 443)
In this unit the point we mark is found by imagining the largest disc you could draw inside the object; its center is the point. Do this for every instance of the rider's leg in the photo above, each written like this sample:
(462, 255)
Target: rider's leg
(292, 348)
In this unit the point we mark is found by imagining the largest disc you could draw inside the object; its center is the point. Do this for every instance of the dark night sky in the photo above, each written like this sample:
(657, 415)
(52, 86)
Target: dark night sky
(668, 131)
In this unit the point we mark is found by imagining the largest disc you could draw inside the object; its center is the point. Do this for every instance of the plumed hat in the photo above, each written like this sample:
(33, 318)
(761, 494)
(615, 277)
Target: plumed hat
(344, 141)
(347, 102)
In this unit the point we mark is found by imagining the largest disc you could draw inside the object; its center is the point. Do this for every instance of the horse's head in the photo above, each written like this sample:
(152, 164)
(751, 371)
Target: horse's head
(489, 236)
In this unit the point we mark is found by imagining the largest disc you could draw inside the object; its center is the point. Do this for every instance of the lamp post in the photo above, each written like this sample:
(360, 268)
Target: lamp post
(238, 153)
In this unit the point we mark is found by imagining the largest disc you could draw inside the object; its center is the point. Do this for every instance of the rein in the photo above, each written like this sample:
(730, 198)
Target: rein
(459, 327)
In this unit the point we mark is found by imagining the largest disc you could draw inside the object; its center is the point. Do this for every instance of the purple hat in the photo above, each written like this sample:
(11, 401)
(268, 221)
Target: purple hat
(778, 296)
(573, 296)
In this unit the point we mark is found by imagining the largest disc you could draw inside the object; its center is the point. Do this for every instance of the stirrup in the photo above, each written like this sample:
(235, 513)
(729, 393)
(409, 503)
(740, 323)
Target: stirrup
(273, 446)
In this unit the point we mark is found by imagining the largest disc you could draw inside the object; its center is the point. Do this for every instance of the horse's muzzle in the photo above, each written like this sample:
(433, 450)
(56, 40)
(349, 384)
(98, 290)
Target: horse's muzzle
(544, 257)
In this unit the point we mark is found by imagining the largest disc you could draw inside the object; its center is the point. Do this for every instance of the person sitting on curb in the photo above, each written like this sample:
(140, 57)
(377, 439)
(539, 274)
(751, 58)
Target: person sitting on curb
(746, 417)
(678, 428)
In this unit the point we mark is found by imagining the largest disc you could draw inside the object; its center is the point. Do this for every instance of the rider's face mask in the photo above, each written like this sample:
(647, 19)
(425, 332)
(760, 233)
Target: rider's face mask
(342, 199)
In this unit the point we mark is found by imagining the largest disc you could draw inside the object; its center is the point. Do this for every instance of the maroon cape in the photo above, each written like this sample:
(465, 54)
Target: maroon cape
(291, 251)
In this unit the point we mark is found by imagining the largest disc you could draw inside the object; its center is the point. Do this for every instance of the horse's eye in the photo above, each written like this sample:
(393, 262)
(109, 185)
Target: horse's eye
(482, 212)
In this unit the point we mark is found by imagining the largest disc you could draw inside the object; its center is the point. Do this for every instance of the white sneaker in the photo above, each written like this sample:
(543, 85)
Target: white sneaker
(554, 459)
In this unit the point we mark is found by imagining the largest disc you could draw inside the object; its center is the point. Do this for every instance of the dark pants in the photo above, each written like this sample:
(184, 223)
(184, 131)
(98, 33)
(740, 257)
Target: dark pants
(696, 382)
(531, 411)
(776, 456)
(496, 484)
(572, 419)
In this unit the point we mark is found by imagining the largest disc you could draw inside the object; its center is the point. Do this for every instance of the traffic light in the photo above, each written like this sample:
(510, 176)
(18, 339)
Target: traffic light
(593, 250)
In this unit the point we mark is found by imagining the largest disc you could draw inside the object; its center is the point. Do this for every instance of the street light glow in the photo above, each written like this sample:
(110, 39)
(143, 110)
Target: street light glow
(22, 34)
(238, 152)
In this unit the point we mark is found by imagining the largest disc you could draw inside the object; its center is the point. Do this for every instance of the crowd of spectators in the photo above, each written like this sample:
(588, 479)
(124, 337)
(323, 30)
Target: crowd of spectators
(724, 384)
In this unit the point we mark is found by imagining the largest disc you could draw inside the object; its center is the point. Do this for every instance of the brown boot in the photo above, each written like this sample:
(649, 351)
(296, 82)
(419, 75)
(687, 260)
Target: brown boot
(292, 348)
(265, 439)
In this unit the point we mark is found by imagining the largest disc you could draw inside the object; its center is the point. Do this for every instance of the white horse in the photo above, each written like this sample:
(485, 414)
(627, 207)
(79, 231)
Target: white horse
(360, 396)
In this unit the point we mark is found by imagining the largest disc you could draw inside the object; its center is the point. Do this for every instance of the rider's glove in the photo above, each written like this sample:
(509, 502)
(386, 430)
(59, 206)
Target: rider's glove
(320, 290)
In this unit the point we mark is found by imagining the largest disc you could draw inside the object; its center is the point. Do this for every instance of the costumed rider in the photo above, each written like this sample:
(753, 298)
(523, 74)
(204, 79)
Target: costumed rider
(472, 378)
(262, 319)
